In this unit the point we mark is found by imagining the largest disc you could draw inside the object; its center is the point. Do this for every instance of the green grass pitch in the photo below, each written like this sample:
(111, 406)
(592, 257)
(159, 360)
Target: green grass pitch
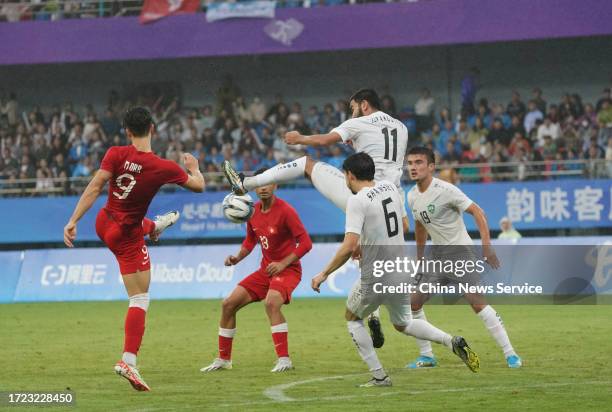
(52, 346)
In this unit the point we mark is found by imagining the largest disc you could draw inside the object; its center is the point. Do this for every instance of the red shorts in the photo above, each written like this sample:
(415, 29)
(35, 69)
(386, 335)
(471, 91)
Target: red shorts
(125, 241)
(258, 283)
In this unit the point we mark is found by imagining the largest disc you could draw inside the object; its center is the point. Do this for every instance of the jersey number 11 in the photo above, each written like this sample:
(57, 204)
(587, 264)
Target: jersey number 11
(388, 136)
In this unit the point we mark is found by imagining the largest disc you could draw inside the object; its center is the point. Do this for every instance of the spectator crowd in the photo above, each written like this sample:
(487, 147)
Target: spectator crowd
(487, 140)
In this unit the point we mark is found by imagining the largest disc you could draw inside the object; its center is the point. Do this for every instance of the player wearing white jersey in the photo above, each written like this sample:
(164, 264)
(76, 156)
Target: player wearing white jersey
(370, 130)
(372, 224)
(437, 208)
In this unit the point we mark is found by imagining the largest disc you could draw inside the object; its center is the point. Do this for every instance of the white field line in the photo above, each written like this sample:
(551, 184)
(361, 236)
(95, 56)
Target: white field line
(276, 393)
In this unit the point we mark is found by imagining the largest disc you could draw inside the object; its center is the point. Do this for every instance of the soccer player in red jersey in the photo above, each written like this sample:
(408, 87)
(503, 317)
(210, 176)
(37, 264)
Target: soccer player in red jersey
(135, 174)
(276, 226)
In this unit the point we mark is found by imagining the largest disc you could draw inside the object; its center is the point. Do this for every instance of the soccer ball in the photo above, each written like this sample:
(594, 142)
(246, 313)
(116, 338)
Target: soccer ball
(238, 209)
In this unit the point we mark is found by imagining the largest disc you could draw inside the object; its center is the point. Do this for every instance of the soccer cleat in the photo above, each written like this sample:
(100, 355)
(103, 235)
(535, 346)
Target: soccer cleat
(234, 178)
(217, 365)
(514, 361)
(378, 337)
(132, 375)
(423, 362)
(282, 365)
(162, 222)
(386, 381)
(467, 355)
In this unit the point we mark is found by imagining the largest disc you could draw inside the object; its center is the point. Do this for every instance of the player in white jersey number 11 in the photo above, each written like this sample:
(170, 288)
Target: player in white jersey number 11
(371, 131)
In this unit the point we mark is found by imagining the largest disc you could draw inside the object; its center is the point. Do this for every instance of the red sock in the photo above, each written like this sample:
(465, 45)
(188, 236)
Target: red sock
(279, 336)
(226, 338)
(134, 329)
(148, 226)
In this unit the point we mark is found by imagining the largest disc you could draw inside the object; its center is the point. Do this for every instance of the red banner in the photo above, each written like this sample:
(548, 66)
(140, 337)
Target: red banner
(156, 9)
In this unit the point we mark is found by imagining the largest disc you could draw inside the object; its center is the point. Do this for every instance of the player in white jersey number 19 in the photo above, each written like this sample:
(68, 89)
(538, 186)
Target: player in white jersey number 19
(437, 208)
(370, 130)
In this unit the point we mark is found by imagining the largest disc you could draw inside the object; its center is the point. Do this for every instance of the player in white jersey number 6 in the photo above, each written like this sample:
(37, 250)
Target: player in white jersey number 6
(372, 223)
(370, 130)
(437, 207)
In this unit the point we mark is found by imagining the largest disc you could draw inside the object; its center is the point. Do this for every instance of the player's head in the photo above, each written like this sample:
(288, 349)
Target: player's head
(138, 122)
(421, 163)
(358, 168)
(364, 102)
(267, 191)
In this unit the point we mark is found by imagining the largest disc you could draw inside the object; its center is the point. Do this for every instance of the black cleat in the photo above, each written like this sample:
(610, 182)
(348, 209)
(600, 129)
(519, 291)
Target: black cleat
(234, 178)
(467, 355)
(378, 337)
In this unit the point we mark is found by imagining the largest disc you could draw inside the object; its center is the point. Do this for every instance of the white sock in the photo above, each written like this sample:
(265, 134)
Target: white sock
(425, 348)
(280, 173)
(363, 341)
(227, 333)
(376, 313)
(129, 358)
(425, 330)
(496, 328)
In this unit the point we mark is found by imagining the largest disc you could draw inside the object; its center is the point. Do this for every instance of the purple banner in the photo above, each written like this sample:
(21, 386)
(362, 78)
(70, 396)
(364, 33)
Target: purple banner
(422, 23)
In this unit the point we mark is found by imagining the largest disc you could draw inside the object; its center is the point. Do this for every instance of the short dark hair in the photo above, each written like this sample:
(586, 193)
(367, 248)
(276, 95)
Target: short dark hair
(420, 150)
(369, 95)
(260, 171)
(361, 165)
(138, 120)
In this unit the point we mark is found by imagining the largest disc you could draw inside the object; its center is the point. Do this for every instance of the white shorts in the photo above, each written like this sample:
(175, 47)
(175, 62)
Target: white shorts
(330, 182)
(399, 310)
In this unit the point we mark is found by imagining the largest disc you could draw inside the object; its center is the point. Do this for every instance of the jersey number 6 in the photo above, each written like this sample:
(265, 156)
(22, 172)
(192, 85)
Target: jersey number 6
(389, 216)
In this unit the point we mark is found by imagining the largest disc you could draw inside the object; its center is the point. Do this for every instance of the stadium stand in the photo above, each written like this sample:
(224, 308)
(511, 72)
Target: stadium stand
(54, 151)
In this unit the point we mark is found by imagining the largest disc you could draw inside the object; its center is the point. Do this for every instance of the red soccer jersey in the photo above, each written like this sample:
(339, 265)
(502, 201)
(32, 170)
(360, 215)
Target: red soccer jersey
(136, 178)
(279, 231)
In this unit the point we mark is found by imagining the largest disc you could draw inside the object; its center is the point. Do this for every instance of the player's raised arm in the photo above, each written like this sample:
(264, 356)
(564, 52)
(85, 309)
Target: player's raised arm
(483, 228)
(195, 182)
(293, 138)
(89, 196)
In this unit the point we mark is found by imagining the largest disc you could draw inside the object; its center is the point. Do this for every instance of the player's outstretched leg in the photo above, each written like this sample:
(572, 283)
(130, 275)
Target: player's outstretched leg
(154, 228)
(426, 357)
(378, 337)
(496, 328)
(281, 173)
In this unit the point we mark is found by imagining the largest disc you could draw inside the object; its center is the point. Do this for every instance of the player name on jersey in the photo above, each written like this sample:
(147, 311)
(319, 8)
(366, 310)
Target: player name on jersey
(132, 167)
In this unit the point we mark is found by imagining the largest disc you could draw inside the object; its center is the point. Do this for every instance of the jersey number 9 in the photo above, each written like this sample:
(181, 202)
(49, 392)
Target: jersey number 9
(126, 189)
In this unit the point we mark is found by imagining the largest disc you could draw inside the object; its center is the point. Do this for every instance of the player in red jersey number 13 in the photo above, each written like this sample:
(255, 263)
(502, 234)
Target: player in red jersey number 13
(134, 174)
(276, 226)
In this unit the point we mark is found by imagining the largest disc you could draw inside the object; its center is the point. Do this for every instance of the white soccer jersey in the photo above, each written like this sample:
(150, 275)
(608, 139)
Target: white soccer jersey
(374, 213)
(440, 209)
(381, 136)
